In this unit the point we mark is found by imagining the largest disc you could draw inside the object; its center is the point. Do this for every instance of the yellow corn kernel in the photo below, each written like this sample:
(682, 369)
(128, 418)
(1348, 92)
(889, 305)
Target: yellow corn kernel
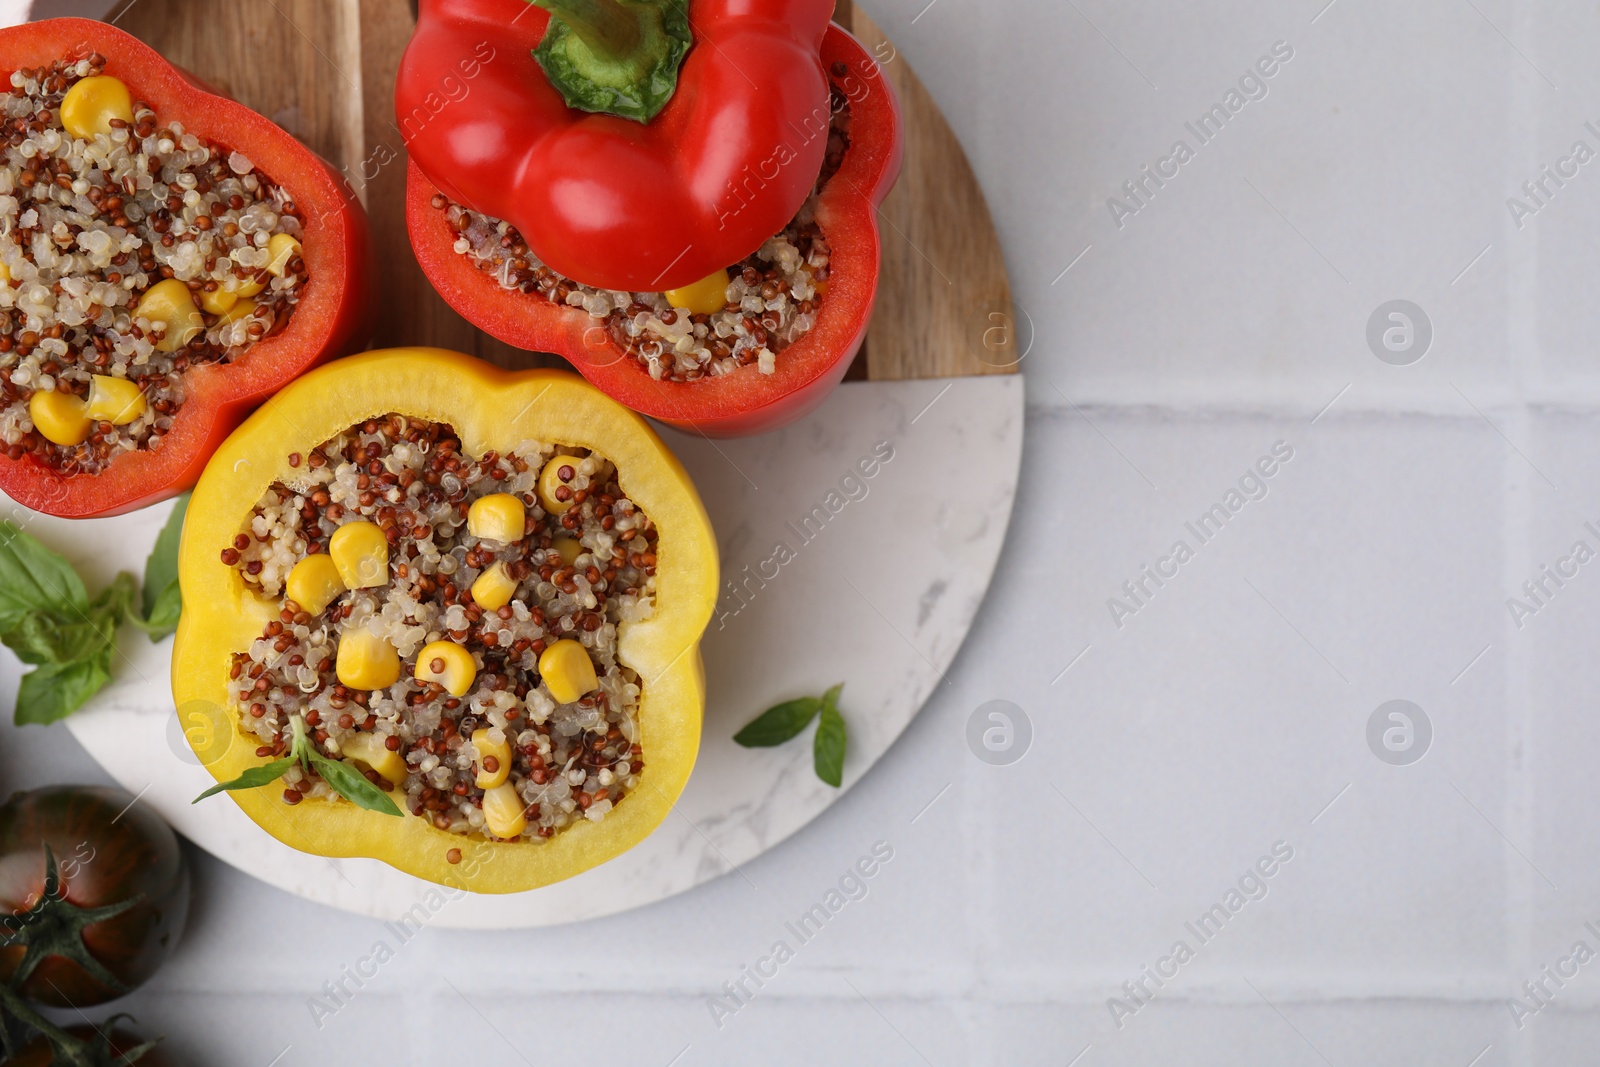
(568, 671)
(497, 517)
(217, 301)
(314, 583)
(366, 661)
(370, 749)
(494, 588)
(92, 103)
(705, 297)
(499, 752)
(361, 552)
(448, 664)
(60, 417)
(282, 248)
(242, 308)
(552, 486)
(114, 400)
(250, 287)
(568, 549)
(171, 304)
(503, 811)
(5, 273)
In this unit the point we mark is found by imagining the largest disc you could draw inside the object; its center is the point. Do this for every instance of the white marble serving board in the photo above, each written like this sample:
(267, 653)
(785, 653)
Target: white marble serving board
(880, 597)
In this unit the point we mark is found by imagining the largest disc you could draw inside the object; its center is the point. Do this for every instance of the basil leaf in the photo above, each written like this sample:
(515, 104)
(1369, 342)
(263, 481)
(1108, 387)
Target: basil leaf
(779, 723)
(115, 601)
(162, 600)
(300, 743)
(253, 778)
(47, 638)
(827, 753)
(163, 617)
(350, 784)
(72, 645)
(111, 609)
(34, 578)
(830, 699)
(54, 691)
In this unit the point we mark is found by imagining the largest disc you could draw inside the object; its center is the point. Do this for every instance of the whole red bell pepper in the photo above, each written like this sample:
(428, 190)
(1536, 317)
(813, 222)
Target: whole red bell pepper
(641, 189)
(334, 315)
(745, 401)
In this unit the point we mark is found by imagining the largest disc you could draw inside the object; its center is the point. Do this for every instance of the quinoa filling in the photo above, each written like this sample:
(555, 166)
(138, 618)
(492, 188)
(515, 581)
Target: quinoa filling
(494, 587)
(772, 298)
(127, 256)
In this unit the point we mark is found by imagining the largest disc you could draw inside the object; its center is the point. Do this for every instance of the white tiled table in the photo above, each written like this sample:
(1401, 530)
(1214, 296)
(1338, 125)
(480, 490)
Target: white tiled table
(1229, 713)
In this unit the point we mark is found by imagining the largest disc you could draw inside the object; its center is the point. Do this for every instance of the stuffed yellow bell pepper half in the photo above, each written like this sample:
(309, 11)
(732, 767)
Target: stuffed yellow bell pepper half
(447, 617)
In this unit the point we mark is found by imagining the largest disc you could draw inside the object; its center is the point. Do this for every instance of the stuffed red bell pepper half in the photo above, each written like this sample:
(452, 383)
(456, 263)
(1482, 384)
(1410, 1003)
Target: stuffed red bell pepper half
(168, 259)
(679, 198)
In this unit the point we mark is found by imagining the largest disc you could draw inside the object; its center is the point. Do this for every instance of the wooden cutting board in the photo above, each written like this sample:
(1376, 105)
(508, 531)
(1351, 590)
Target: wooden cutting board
(325, 70)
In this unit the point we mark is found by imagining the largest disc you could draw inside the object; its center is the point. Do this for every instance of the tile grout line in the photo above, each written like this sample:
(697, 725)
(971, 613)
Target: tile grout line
(1522, 335)
(1521, 880)
(1497, 402)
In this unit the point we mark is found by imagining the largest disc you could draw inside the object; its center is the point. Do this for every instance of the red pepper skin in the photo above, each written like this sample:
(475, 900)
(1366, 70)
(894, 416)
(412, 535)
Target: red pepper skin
(607, 201)
(746, 401)
(335, 316)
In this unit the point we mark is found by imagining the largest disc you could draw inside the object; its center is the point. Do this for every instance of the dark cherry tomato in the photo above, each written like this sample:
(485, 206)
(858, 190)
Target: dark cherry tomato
(40, 1053)
(119, 905)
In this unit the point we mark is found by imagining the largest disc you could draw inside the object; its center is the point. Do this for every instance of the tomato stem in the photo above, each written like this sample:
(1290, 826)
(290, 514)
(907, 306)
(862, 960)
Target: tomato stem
(66, 1047)
(13, 1007)
(54, 926)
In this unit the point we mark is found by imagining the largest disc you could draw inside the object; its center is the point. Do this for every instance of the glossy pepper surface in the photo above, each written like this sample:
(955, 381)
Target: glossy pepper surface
(489, 409)
(334, 315)
(745, 401)
(611, 201)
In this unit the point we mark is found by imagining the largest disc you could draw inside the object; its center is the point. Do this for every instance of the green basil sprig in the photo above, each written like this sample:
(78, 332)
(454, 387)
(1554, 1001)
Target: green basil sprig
(344, 779)
(48, 620)
(162, 601)
(784, 721)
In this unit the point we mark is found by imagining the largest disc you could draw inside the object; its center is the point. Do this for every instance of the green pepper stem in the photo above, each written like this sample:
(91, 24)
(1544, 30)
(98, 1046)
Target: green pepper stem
(615, 57)
(610, 30)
